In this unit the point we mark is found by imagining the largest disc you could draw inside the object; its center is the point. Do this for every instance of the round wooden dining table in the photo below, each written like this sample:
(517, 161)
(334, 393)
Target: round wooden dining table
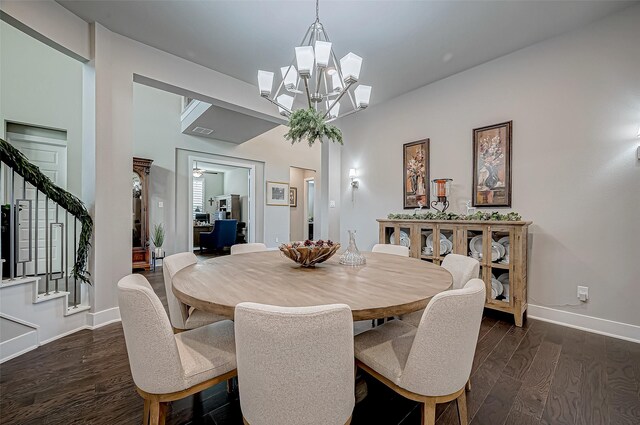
(388, 285)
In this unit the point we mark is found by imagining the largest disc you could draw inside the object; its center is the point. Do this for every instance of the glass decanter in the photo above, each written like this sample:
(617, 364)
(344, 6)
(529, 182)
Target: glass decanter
(352, 256)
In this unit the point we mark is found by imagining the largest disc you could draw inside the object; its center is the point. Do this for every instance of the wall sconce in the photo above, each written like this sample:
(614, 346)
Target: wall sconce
(442, 188)
(353, 173)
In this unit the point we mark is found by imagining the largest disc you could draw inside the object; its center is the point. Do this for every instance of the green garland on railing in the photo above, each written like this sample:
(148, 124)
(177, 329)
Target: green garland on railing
(32, 174)
(480, 216)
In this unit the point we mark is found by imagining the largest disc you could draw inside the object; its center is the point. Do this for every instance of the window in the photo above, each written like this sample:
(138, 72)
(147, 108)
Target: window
(198, 195)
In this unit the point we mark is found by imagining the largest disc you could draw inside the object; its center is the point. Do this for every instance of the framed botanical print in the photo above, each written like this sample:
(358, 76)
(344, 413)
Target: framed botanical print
(293, 196)
(277, 193)
(415, 174)
(492, 165)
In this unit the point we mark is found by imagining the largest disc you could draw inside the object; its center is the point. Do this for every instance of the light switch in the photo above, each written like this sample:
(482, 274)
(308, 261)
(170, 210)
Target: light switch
(160, 204)
(332, 204)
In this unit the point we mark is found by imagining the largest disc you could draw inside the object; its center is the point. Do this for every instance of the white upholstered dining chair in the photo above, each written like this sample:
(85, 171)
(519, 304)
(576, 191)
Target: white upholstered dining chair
(295, 364)
(167, 366)
(462, 269)
(182, 316)
(431, 363)
(245, 248)
(384, 248)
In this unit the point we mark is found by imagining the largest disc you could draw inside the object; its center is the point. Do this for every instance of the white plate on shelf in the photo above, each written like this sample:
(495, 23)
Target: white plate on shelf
(404, 238)
(476, 244)
(500, 247)
(495, 253)
(505, 291)
(504, 278)
(445, 247)
(496, 288)
(503, 240)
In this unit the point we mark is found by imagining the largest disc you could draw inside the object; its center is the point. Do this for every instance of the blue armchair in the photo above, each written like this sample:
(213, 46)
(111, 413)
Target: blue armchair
(222, 235)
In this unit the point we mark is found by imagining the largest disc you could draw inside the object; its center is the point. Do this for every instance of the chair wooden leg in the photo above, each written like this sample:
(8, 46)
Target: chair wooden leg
(468, 386)
(154, 412)
(145, 413)
(429, 412)
(162, 414)
(461, 401)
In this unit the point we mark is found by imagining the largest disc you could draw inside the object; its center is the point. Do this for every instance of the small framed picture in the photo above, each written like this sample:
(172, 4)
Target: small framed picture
(277, 193)
(415, 174)
(492, 165)
(293, 196)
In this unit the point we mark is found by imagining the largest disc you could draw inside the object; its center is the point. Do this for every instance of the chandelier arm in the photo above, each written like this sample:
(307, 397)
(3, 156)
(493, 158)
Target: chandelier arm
(353, 111)
(278, 105)
(339, 70)
(337, 100)
(306, 87)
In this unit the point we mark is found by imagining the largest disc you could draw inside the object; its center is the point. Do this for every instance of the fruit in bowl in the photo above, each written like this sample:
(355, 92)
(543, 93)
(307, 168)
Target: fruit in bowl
(309, 253)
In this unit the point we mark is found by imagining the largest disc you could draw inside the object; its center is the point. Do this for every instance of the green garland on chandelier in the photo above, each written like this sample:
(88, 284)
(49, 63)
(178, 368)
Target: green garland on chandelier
(309, 125)
(479, 216)
(32, 174)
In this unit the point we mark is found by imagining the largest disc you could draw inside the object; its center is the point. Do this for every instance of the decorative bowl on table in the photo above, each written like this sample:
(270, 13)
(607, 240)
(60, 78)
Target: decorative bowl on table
(309, 253)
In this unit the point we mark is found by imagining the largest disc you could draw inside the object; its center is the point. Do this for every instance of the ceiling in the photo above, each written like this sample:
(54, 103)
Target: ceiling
(227, 125)
(405, 44)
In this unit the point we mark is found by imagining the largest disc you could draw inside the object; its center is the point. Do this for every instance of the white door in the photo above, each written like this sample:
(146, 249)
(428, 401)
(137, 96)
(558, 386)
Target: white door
(50, 155)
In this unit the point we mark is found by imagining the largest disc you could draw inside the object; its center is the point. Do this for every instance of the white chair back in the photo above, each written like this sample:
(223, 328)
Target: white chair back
(151, 346)
(295, 365)
(382, 248)
(462, 268)
(172, 265)
(245, 248)
(441, 356)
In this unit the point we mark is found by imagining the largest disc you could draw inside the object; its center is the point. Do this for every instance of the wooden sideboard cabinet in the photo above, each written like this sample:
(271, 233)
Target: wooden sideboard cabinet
(513, 300)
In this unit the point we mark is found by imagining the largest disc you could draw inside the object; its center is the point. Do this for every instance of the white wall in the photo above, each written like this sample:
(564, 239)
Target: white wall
(575, 105)
(297, 220)
(45, 96)
(156, 129)
(236, 182)
(213, 186)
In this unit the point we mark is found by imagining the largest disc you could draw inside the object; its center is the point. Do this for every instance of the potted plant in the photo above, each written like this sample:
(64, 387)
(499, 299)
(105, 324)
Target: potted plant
(158, 239)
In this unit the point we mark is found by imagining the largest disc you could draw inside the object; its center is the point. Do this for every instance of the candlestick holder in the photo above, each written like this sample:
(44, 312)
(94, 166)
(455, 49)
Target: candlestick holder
(441, 188)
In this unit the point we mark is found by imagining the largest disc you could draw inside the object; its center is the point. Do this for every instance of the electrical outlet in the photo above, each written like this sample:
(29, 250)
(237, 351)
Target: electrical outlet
(277, 240)
(332, 204)
(160, 204)
(583, 293)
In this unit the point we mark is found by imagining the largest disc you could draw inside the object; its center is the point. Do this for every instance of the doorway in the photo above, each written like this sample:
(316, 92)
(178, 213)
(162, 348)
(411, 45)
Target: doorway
(221, 190)
(301, 203)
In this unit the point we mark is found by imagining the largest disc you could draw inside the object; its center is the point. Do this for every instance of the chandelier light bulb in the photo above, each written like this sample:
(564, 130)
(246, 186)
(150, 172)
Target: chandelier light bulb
(265, 83)
(362, 93)
(322, 51)
(350, 64)
(286, 101)
(335, 110)
(289, 76)
(305, 59)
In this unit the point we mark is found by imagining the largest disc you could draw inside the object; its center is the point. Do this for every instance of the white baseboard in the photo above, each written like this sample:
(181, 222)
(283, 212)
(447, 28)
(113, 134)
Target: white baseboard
(94, 321)
(103, 318)
(586, 323)
(18, 346)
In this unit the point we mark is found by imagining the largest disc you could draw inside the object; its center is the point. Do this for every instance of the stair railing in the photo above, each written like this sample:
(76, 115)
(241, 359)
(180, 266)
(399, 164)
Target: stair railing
(37, 205)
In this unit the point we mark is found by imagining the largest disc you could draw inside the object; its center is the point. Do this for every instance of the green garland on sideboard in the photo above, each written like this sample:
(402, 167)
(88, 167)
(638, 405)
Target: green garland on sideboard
(32, 174)
(480, 216)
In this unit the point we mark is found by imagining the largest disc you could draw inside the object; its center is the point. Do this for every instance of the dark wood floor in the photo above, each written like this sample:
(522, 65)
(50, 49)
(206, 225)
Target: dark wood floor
(538, 374)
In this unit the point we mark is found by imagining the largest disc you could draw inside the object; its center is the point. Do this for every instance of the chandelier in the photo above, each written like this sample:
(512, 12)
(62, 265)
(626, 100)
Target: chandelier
(316, 73)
